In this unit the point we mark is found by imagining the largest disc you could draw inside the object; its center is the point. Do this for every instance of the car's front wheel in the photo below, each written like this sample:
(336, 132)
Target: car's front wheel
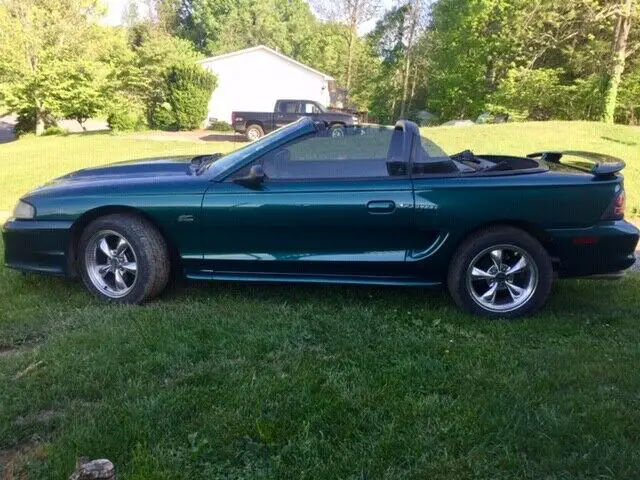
(123, 259)
(501, 272)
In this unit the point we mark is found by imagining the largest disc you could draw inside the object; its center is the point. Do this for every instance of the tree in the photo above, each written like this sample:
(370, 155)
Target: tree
(41, 44)
(412, 22)
(352, 13)
(626, 11)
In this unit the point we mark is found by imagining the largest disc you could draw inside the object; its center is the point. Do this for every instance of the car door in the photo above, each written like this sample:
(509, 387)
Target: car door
(288, 112)
(327, 206)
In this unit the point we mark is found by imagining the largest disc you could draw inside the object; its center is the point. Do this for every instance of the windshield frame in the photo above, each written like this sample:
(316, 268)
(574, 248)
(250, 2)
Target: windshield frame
(237, 159)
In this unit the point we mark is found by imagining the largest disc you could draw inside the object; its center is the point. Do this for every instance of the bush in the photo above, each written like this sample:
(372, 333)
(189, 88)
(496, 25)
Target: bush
(26, 122)
(54, 130)
(162, 117)
(220, 126)
(126, 115)
(189, 89)
(532, 94)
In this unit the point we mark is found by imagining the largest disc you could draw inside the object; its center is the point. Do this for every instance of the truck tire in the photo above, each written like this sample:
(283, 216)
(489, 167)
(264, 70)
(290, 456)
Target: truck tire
(337, 130)
(254, 132)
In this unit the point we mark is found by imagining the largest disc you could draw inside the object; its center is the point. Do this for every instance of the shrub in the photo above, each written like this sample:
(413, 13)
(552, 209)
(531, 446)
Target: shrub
(162, 117)
(189, 89)
(220, 126)
(531, 94)
(126, 115)
(26, 122)
(54, 130)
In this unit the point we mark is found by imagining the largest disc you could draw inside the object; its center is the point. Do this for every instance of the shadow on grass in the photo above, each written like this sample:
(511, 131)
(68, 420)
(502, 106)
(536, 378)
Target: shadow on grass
(224, 137)
(621, 142)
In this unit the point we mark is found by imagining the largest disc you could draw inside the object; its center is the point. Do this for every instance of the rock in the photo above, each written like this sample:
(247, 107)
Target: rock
(101, 469)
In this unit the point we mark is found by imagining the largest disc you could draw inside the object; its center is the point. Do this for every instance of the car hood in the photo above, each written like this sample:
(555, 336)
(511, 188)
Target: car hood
(148, 167)
(133, 172)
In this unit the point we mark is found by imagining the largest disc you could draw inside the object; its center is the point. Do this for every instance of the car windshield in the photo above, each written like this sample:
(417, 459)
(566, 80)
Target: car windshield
(432, 149)
(218, 166)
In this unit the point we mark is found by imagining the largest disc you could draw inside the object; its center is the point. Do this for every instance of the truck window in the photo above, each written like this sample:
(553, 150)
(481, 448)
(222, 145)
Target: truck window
(288, 107)
(311, 108)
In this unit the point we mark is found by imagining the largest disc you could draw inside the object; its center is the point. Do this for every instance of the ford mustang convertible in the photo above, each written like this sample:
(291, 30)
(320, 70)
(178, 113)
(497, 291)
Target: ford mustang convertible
(376, 206)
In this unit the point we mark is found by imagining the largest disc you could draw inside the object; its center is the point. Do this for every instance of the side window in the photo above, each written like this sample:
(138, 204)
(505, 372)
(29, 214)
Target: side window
(361, 153)
(290, 107)
(310, 109)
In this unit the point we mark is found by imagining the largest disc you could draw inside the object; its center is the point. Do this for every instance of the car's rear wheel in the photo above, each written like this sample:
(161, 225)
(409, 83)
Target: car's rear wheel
(254, 132)
(123, 259)
(501, 272)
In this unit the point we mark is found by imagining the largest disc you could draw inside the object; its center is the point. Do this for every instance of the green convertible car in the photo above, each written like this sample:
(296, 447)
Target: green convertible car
(375, 206)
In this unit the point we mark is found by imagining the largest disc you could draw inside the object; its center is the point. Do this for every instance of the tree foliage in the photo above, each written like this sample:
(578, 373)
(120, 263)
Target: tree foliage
(535, 59)
(45, 61)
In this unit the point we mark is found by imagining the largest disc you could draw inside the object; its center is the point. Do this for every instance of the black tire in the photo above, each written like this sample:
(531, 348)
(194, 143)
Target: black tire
(495, 237)
(337, 131)
(151, 255)
(254, 132)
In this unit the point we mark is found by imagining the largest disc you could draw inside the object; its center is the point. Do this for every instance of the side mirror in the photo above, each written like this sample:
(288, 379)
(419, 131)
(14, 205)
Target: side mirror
(254, 179)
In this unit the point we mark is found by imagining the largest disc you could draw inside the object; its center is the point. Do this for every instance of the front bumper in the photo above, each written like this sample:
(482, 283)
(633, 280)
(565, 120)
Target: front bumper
(36, 245)
(607, 247)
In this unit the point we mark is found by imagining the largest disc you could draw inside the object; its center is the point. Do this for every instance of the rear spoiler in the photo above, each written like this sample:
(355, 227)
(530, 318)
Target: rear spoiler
(601, 166)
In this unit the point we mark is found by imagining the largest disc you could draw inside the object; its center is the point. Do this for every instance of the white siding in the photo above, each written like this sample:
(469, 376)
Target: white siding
(255, 79)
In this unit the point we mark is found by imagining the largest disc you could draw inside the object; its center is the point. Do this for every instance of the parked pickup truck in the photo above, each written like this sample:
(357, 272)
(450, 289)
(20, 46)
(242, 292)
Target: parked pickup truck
(255, 124)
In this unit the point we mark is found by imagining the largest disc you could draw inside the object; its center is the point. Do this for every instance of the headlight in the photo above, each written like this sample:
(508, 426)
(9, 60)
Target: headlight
(23, 211)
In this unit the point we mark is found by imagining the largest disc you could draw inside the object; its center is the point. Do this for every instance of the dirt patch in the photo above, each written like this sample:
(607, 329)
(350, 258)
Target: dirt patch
(44, 416)
(13, 351)
(13, 461)
(8, 352)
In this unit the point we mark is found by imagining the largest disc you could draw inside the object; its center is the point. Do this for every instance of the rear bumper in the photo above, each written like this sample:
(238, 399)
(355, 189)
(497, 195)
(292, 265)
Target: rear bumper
(607, 247)
(240, 127)
(36, 246)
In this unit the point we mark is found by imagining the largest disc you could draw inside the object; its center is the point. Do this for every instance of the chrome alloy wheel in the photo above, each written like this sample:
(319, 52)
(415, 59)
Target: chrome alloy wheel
(502, 278)
(111, 263)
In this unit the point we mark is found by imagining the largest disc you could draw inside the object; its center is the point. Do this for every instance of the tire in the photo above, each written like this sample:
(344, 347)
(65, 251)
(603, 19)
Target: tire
(143, 266)
(254, 132)
(488, 289)
(337, 131)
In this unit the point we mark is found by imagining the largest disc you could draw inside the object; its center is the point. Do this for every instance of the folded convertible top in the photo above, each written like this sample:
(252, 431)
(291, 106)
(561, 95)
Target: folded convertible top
(600, 165)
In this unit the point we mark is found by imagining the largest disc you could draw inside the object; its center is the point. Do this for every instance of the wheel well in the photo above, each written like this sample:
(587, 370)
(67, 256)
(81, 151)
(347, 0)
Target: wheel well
(531, 228)
(86, 218)
(337, 124)
(254, 122)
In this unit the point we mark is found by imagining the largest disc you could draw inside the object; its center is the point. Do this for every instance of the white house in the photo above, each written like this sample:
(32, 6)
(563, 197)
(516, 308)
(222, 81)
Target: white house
(254, 78)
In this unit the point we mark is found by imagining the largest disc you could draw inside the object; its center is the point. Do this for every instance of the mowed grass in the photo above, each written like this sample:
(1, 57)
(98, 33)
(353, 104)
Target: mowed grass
(235, 381)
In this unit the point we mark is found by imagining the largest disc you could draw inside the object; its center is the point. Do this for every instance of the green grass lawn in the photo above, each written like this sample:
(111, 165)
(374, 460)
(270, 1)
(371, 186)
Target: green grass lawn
(235, 381)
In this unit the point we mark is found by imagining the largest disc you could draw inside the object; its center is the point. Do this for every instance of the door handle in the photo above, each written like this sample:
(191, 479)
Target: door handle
(381, 206)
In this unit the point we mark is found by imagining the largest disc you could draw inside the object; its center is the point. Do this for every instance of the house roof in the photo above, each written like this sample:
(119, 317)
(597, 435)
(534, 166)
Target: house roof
(273, 52)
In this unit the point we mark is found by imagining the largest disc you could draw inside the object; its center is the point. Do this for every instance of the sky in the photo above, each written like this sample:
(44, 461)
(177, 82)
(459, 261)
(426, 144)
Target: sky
(116, 7)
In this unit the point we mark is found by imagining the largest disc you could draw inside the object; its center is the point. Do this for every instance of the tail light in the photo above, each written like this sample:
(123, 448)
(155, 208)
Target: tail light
(233, 118)
(616, 209)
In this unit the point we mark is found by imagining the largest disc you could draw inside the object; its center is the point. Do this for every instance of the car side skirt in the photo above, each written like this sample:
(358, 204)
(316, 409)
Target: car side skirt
(309, 278)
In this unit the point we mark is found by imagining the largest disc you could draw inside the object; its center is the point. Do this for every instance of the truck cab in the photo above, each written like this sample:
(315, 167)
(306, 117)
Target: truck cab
(256, 124)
